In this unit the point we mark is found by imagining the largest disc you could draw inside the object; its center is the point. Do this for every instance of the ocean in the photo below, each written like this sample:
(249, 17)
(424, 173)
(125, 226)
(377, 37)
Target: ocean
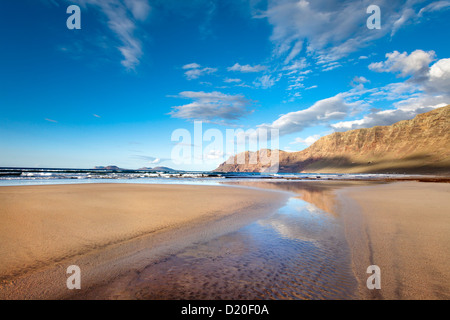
(35, 176)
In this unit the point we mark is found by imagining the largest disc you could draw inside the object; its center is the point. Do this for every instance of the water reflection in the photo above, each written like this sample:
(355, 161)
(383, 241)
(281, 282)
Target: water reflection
(299, 220)
(298, 252)
(320, 194)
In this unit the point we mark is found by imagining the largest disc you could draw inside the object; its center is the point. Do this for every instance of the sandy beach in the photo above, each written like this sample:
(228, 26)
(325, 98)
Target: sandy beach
(109, 228)
(404, 228)
(130, 240)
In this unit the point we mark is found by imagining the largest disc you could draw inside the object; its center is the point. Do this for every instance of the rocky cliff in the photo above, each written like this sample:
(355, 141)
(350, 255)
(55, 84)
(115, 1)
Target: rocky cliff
(420, 145)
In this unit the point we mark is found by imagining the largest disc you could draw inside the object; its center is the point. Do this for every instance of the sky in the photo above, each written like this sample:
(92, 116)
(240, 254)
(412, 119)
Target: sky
(119, 90)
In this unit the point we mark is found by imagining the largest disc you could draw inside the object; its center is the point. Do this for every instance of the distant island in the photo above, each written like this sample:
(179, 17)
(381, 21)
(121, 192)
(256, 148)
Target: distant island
(157, 169)
(417, 146)
(140, 169)
(107, 168)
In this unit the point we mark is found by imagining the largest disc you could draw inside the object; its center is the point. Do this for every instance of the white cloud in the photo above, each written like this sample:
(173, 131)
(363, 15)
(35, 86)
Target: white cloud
(358, 80)
(331, 66)
(194, 71)
(307, 141)
(407, 15)
(150, 159)
(439, 77)
(415, 64)
(213, 106)
(432, 80)
(435, 6)
(332, 29)
(191, 66)
(265, 81)
(139, 8)
(396, 91)
(246, 68)
(229, 80)
(296, 83)
(296, 65)
(321, 112)
(122, 20)
(213, 154)
(426, 89)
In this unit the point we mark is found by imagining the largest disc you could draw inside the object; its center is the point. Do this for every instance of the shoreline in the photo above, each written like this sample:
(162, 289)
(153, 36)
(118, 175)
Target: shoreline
(403, 227)
(214, 210)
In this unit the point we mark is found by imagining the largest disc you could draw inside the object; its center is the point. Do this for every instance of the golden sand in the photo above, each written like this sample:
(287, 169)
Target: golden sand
(404, 228)
(108, 228)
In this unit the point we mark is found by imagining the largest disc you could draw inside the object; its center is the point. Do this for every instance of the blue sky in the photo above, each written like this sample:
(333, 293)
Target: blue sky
(113, 92)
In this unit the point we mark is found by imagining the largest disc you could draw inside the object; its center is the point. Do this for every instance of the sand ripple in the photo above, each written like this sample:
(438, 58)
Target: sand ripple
(298, 252)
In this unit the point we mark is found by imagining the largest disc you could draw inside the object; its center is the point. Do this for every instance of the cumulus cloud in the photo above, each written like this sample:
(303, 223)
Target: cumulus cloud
(439, 77)
(434, 79)
(307, 141)
(321, 112)
(194, 71)
(246, 68)
(212, 107)
(414, 64)
(426, 88)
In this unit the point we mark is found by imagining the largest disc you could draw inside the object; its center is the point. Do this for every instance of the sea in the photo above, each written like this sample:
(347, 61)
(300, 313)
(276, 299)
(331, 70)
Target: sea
(36, 176)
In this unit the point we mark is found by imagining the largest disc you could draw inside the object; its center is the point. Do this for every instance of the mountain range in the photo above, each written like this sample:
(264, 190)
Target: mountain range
(420, 145)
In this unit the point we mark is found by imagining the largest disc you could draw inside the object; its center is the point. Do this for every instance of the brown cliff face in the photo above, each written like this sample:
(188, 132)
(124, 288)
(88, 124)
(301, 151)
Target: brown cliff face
(420, 145)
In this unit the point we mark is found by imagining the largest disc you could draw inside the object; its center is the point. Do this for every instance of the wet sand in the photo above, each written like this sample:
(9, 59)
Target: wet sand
(108, 229)
(297, 252)
(404, 228)
(317, 246)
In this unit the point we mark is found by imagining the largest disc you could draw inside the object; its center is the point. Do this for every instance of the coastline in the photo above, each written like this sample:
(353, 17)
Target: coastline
(403, 227)
(198, 213)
